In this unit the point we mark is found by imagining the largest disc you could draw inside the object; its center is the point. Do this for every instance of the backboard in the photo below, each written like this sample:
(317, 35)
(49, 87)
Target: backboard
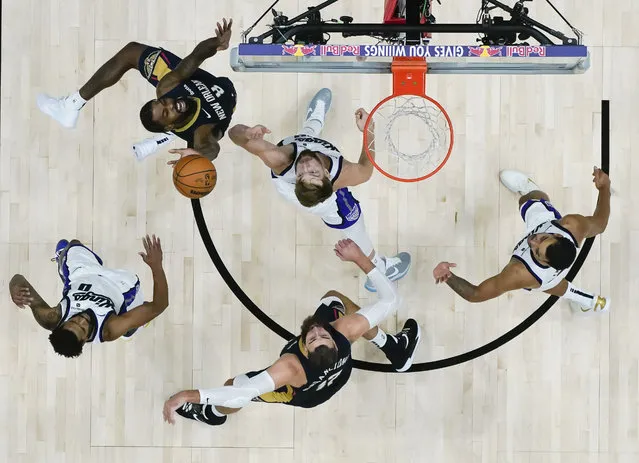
(442, 59)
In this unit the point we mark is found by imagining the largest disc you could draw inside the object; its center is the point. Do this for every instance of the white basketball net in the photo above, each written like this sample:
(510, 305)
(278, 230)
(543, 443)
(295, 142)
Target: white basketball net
(412, 129)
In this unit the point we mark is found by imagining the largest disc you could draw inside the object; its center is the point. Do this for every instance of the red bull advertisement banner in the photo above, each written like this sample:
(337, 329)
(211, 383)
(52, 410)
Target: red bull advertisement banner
(421, 51)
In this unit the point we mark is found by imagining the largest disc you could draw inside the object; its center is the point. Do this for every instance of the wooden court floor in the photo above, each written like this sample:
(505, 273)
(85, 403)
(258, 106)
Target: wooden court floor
(566, 391)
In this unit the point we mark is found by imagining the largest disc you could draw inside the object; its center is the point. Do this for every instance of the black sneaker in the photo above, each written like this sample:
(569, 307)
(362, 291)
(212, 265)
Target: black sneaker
(402, 354)
(201, 413)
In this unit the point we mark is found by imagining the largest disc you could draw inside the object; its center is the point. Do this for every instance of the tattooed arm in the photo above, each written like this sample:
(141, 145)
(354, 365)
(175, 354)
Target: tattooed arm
(23, 294)
(510, 278)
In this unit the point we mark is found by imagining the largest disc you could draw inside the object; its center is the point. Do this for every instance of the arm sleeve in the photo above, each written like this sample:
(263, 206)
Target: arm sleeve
(388, 301)
(237, 396)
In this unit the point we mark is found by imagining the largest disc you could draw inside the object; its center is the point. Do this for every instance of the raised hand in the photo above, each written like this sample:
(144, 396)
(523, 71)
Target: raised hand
(20, 293)
(182, 152)
(361, 115)
(257, 132)
(170, 406)
(600, 178)
(223, 34)
(348, 251)
(442, 272)
(152, 255)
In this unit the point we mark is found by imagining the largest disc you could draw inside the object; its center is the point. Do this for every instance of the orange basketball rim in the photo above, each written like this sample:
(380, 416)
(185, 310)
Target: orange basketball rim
(409, 100)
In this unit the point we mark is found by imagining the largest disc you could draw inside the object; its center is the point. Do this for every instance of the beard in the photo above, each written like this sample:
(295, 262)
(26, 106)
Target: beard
(191, 108)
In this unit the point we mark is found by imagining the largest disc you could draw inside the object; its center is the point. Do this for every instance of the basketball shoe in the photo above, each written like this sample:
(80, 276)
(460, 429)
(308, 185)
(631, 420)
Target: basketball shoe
(64, 110)
(396, 267)
(201, 413)
(400, 349)
(316, 112)
(62, 244)
(517, 182)
(602, 304)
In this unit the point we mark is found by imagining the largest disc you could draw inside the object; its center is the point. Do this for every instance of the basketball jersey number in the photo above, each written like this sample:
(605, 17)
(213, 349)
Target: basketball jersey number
(328, 381)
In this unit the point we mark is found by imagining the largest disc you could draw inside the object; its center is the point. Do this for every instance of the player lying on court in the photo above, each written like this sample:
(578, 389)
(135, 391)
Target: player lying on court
(191, 103)
(542, 258)
(312, 173)
(316, 364)
(98, 304)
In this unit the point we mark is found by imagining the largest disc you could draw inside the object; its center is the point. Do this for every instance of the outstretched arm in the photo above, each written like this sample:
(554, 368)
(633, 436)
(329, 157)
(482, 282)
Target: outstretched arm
(508, 279)
(141, 315)
(286, 370)
(357, 173)
(252, 140)
(23, 294)
(192, 62)
(355, 325)
(586, 227)
(206, 142)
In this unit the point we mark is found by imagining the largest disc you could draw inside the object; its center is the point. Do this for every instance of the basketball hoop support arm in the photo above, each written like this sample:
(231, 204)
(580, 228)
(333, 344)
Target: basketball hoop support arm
(409, 76)
(372, 28)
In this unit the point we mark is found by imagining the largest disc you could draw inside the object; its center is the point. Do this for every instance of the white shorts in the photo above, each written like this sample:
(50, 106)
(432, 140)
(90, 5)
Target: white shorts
(78, 259)
(537, 211)
(80, 262)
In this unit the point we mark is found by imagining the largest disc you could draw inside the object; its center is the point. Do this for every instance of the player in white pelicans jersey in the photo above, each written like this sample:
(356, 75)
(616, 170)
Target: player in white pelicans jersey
(313, 174)
(542, 258)
(98, 304)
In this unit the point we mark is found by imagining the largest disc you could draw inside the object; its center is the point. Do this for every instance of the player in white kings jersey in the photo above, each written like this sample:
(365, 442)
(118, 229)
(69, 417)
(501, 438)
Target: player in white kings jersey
(313, 174)
(542, 258)
(98, 304)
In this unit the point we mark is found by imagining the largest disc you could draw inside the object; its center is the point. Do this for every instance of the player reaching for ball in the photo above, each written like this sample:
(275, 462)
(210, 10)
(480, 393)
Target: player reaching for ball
(98, 304)
(191, 103)
(313, 174)
(315, 365)
(542, 258)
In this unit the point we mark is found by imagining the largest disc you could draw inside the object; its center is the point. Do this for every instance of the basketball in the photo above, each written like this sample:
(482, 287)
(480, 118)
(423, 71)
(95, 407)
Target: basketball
(194, 176)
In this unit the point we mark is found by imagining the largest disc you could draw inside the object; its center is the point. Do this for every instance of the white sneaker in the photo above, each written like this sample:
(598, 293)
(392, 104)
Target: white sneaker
(601, 305)
(151, 145)
(60, 109)
(319, 106)
(517, 182)
(396, 267)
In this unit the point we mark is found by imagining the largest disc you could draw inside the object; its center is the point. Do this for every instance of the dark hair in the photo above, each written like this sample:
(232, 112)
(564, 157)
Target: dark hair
(65, 342)
(323, 356)
(561, 254)
(146, 117)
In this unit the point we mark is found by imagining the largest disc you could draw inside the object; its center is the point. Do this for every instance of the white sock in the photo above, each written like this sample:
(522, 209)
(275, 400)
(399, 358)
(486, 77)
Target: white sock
(380, 338)
(312, 128)
(379, 262)
(580, 296)
(77, 102)
(216, 412)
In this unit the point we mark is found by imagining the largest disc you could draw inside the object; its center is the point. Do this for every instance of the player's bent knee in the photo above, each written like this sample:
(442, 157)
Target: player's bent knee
(131, 52)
